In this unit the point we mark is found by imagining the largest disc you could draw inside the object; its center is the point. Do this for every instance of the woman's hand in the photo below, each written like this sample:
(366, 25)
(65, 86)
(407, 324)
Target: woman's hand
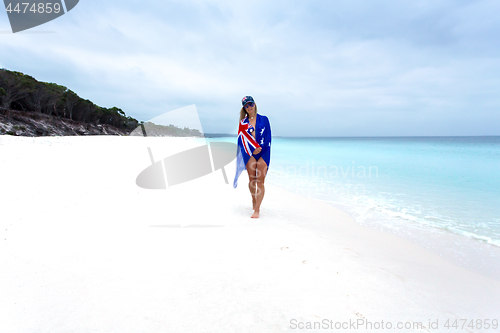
(257, 150)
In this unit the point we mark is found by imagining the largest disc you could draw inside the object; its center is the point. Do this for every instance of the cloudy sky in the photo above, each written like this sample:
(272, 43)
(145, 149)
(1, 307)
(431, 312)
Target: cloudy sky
(315, 68)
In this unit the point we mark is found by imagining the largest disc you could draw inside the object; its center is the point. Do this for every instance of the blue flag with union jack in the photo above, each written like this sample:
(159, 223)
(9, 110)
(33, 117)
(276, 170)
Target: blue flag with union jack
(247, 143)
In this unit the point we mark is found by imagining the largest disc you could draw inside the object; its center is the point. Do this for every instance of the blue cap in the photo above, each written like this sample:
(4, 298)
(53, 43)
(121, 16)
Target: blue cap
(247, 99)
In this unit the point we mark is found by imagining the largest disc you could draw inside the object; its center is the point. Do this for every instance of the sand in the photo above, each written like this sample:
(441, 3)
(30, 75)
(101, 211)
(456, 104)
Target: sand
(83, 249)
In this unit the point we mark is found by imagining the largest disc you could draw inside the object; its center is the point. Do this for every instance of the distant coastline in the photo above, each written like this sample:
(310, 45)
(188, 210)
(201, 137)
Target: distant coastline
(29, 107)
(220, 135)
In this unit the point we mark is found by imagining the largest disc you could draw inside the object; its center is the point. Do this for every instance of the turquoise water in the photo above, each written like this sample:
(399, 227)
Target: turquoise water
(440, 192)
(446, 183)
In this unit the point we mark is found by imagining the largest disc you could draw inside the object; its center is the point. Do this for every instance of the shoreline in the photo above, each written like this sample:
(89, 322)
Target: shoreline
(467, 252)
(97, 253)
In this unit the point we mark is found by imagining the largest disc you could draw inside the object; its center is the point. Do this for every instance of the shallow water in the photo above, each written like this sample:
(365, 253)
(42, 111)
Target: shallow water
(441, 192)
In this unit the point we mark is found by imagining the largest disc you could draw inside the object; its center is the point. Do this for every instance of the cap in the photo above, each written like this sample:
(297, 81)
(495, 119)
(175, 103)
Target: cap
(246, 100)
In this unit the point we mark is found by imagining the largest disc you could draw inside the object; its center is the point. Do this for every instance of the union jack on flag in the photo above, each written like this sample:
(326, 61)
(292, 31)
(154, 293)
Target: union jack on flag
(244, 134)
(246, 142)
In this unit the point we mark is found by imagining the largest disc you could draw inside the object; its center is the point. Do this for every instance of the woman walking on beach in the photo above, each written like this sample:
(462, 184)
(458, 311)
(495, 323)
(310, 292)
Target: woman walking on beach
(254, 150)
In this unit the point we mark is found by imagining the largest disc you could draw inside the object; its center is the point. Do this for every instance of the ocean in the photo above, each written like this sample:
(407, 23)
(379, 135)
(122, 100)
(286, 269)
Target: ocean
(440, 192)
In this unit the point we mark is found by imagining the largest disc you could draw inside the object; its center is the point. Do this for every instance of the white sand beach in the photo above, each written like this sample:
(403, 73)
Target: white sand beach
(84, 249)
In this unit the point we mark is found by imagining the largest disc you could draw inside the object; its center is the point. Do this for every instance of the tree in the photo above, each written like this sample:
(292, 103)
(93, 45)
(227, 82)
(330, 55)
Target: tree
(16, 86)
(44, 97)
(131, 123)
(69, 100)
(84, 108)
(23, 92)
(35, 97)
(2, 93)
(55, 97)
(113, 116)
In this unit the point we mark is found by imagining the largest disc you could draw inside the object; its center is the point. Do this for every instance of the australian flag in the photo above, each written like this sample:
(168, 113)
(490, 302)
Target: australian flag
(247, 143)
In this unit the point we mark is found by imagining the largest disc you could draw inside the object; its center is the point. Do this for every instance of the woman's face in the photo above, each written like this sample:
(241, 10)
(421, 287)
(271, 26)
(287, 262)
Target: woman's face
(250, 107)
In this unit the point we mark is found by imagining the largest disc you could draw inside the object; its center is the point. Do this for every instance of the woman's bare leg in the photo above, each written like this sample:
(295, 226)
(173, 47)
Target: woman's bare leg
(252, 184)
(260, 177)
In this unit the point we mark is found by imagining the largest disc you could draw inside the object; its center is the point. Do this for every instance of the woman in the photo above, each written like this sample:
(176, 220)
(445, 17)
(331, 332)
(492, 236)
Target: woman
(254, 150)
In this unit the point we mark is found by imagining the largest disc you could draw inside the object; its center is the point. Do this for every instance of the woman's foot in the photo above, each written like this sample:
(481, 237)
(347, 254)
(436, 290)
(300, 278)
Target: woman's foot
(255, 214)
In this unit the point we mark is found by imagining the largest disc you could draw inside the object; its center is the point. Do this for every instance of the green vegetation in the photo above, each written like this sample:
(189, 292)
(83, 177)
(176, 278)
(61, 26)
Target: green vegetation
(22, 92)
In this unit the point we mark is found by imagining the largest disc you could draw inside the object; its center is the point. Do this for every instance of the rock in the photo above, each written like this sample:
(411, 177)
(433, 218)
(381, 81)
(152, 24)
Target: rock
(25, 123)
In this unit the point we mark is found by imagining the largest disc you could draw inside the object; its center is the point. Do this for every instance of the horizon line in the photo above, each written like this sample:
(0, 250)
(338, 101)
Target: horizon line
(381, 136)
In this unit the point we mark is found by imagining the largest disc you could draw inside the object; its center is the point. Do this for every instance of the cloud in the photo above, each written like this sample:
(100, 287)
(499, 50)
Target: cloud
(315, 68)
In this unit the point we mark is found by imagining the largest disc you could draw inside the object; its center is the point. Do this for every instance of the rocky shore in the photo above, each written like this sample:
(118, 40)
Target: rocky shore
(26, 123)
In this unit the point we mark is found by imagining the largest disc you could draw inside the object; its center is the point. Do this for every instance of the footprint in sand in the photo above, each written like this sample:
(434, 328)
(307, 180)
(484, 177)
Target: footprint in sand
(391, 274)
(352, 252)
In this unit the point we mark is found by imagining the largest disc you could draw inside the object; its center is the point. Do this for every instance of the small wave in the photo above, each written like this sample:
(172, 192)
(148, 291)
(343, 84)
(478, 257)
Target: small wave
(393, 213)
(426, 222)
(472, 235)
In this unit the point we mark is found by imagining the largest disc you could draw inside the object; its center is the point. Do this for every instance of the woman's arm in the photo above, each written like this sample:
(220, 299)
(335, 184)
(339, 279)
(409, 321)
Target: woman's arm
(267, 135)
(270, 134)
